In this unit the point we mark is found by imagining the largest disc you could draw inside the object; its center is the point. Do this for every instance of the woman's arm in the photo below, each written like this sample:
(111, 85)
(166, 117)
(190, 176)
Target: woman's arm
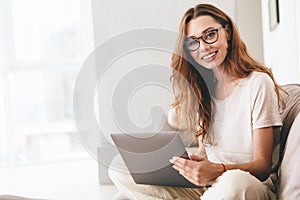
(201, 153)
(201, 171)
(260, 167)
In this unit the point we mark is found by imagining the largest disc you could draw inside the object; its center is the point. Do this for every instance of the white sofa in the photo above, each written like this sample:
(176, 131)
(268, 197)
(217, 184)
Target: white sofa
(289, 171)
(289, 177)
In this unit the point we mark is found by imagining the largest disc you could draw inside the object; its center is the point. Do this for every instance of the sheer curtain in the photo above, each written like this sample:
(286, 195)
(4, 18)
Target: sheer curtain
(42, 45)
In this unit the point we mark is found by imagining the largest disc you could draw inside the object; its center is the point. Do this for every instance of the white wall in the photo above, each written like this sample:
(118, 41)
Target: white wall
(117, 16)
(281, 46)
(249, 23)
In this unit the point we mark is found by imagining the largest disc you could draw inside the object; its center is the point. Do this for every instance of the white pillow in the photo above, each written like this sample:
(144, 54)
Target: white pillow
(290, 166)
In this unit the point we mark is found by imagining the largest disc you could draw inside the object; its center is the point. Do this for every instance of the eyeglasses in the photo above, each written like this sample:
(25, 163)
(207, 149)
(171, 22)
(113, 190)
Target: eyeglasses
(209, 37)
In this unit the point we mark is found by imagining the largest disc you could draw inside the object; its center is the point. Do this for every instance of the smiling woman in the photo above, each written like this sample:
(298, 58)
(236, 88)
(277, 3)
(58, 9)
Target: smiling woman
(229, 102)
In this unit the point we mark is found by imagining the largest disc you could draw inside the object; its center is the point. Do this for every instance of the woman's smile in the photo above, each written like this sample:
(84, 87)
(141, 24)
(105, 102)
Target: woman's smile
(209, 57)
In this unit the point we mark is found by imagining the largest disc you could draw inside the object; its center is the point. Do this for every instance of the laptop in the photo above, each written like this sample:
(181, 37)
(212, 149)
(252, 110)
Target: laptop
(147, 157)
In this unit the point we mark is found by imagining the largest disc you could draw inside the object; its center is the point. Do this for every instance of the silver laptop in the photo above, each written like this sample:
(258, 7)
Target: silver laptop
(147, 157)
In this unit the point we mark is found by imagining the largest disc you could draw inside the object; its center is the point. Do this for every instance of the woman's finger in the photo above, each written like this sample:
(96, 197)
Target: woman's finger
(191, 176)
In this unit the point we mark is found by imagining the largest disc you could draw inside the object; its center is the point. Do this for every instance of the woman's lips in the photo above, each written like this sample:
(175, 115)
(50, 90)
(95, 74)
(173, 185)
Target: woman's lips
(210, 56)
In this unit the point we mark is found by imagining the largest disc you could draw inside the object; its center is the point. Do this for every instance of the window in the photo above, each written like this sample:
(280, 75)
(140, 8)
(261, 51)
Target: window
(43, 44)
(297, 7)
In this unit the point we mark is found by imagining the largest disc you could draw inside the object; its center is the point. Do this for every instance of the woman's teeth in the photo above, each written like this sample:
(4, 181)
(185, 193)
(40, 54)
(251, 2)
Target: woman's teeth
(209, 56)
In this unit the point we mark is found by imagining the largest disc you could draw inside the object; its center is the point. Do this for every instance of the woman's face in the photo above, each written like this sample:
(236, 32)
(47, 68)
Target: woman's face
(212, 55)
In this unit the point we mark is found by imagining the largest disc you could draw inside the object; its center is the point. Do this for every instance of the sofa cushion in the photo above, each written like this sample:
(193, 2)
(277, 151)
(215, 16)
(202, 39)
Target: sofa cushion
(287, 146)
(290, 112)
(289, 175)
(288, 115)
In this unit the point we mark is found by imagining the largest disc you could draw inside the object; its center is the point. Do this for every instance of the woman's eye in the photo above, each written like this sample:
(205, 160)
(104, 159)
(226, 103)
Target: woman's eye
(210, 34)
(192, 42)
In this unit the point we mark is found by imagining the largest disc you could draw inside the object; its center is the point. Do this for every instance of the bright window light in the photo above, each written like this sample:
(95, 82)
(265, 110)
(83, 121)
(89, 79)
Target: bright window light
(37, 125)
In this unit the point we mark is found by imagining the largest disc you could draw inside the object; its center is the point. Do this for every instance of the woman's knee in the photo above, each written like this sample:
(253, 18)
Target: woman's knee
(117, 169)
(236, 184)
(237, 178)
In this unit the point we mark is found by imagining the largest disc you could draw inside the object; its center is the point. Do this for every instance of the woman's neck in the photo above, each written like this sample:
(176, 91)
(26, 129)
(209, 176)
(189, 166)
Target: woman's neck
(224, 83)
(221, 76)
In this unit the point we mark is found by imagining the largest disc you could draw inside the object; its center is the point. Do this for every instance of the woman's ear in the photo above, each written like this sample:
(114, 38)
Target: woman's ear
(228, 33)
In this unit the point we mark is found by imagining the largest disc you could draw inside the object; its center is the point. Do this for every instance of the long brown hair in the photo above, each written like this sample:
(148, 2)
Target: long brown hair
(193, 84)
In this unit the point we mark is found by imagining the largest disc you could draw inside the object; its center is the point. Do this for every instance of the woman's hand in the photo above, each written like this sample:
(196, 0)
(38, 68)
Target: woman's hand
(199, 171)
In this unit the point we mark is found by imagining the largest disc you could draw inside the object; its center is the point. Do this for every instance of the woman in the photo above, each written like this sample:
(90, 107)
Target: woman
(229, 102)
(236, 122)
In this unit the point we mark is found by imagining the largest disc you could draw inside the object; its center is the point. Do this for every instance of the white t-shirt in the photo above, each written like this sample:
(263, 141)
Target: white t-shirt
(252, 104)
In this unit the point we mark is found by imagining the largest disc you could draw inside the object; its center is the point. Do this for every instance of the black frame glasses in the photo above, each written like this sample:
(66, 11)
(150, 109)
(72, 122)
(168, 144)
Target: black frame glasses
(209, 37)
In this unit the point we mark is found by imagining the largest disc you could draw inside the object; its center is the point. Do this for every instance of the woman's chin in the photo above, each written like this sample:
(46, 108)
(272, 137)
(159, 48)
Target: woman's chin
(211, 65)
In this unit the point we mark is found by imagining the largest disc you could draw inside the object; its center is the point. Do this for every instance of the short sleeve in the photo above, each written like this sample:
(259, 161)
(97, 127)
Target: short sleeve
(174, 121)
(264, 102)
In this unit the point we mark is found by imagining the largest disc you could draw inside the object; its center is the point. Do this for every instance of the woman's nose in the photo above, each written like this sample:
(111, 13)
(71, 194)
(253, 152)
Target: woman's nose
(203, 45)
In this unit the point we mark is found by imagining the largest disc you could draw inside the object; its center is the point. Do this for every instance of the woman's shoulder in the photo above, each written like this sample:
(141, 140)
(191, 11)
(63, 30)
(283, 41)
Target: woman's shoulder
(258, 78)
(258, 82)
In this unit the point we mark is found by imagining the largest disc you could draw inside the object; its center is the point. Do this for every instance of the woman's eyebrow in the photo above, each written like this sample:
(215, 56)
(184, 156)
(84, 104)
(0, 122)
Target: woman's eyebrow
(205, 30)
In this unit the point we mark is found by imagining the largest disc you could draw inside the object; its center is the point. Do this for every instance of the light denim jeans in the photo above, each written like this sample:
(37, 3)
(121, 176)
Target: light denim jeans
(232, 185)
